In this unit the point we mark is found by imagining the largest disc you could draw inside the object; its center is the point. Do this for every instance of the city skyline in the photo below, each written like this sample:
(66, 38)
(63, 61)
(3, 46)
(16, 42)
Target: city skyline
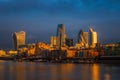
(90, 36)
(38, 17)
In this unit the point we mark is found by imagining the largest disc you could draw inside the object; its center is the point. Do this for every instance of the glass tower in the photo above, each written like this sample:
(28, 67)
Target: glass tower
(61, 35)
(83, 39)
(93, 38)
(19, 39)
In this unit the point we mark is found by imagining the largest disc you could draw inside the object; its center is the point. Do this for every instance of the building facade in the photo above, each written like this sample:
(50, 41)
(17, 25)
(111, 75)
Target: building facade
(53, 41)
(93, 38)
(83, 39)
(19, 39)
(61, 35)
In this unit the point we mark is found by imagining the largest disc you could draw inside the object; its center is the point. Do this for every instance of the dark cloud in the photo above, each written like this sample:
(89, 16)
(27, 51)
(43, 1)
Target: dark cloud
(77, 7)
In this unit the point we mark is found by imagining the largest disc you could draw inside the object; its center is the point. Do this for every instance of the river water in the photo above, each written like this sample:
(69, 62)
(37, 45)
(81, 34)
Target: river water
(10, 70)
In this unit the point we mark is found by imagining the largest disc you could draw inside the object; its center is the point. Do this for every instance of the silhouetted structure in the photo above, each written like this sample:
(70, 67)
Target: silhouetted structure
(69, 42)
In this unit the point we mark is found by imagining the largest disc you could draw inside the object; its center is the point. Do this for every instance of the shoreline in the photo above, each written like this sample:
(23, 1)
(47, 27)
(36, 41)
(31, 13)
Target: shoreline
(103, 59)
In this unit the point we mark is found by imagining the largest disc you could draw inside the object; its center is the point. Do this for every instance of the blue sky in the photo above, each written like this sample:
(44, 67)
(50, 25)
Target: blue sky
(39, 18)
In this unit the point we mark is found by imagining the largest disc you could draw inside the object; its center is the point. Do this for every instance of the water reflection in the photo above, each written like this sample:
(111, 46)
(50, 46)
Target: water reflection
(1, 71)
(95, 72)
(52, 71)
(107, 76)
(107, 73)
(62, 71)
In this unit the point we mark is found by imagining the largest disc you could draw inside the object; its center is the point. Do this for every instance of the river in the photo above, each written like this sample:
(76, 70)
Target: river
(10, 70)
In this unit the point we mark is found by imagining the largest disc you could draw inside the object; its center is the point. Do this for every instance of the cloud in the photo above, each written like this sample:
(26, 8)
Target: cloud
(59, 6)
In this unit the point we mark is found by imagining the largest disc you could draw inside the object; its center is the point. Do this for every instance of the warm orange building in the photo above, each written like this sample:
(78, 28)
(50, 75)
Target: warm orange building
(93, 53)
(42, 45)
(71, 53)
(2, 53)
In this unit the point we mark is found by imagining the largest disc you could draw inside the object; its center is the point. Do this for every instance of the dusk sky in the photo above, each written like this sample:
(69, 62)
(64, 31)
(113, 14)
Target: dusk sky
(39, 19)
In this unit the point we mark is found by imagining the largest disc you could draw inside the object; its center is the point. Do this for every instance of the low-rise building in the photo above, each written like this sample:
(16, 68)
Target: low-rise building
(2, 53)
(12, 52)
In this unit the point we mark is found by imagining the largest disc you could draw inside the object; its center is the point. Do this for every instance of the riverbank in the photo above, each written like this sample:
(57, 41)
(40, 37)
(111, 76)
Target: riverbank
(102, 59)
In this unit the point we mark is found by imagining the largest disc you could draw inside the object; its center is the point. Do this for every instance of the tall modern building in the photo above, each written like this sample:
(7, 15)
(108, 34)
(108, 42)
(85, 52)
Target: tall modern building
(53, 41)
(85, 34)
(93, 38)
(83, 39)
(19, 39)
(61, 35)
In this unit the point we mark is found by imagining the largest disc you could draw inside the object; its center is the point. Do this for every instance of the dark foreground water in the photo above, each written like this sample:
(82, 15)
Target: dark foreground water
(57, 71)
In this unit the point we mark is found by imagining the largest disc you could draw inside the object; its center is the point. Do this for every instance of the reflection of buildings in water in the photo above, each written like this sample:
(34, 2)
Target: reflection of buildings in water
(12, 71)
(85, 70)
(62, 71)
(107, 74)
(54, 71)
(66, 71)
(18, 71)
(2, 71)
(43, 71)
(95, 72)
(32, 71)
(66, 68)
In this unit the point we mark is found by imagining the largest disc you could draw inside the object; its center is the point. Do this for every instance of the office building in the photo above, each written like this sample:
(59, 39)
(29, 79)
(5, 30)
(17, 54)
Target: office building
(85, 34)
(53, 41)
(83, 39)
(93, 38)
(61, 36)
(19, 39)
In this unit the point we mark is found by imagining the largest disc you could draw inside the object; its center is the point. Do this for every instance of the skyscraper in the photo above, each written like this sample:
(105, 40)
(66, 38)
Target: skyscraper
(19, 39)
(61, 35)
(85, 34)
(93, 38)
(83, 39)
(53, 41)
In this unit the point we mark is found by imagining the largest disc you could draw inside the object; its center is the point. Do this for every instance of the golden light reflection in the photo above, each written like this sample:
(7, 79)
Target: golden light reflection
(85, 71)
(18, 70)
(95, 72)
(66, 69)
(2, 70)
(54, 72)
(107, 76)
(61, 71)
